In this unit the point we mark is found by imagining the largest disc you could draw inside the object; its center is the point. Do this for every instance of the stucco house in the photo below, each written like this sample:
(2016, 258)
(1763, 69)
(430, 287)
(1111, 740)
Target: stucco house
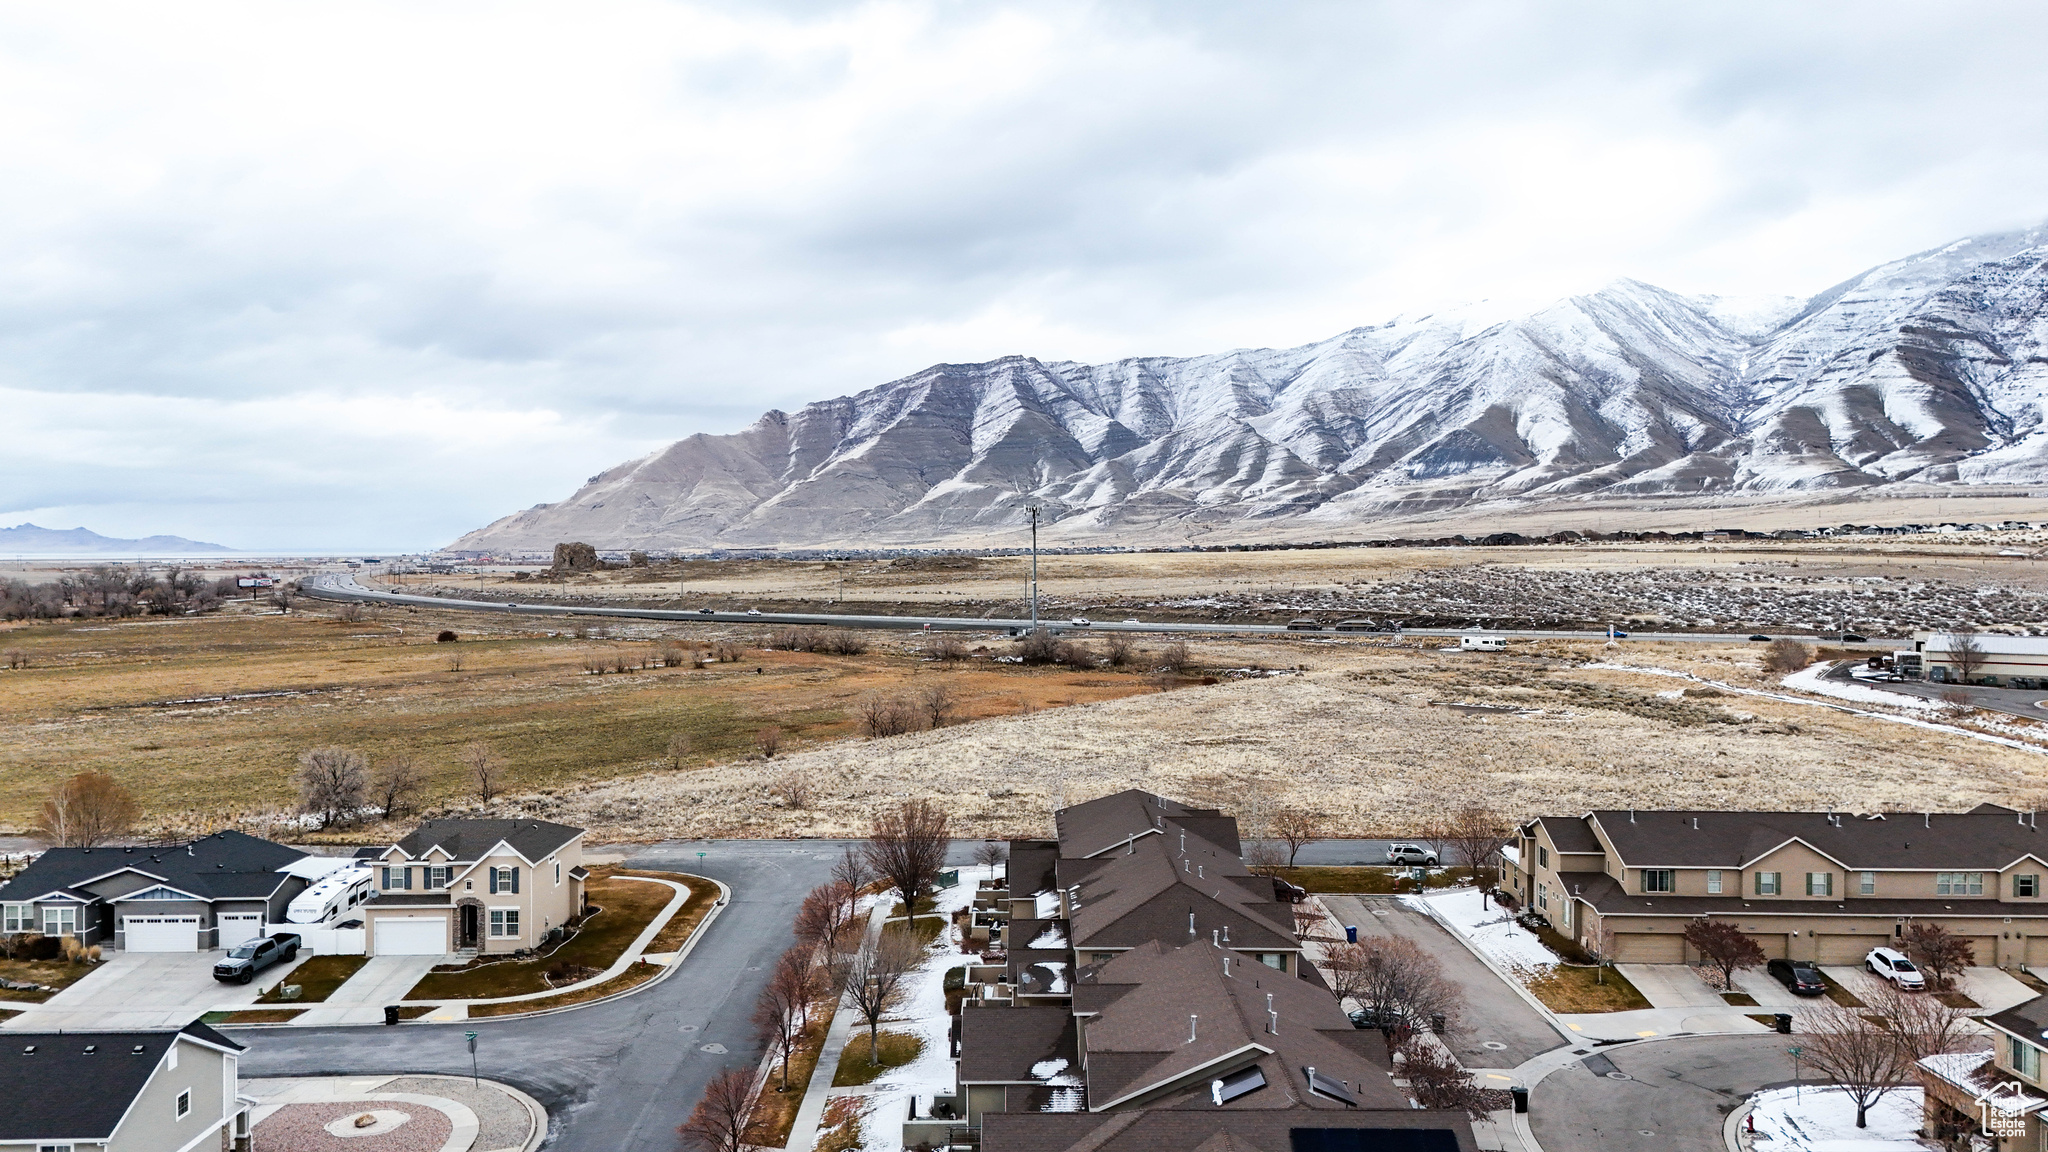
(1820, 886)
(213, 892)
(160, 1090)
(489, 885)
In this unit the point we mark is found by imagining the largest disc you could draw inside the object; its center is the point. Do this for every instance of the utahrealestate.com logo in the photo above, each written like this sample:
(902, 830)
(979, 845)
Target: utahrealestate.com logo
(2003, 1108)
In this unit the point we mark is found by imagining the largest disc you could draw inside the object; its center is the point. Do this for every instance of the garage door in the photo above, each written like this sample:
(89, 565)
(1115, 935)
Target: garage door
(236, 927)
(1649, 948)
(2037, 952)
(162, 933)
(1773, 944)
(1984, 949)
(1841, 948)
(409, 936)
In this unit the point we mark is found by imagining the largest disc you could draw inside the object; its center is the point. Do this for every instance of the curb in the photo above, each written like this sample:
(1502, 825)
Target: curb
(538, 1114)
(1564, 1030)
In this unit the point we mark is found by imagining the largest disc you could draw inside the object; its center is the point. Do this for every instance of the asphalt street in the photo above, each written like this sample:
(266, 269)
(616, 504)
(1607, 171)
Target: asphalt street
(338, 587)
(1669, 1096)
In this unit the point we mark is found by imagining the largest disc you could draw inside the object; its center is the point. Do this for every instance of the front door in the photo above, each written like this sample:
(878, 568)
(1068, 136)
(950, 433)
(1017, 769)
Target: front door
(469, 926)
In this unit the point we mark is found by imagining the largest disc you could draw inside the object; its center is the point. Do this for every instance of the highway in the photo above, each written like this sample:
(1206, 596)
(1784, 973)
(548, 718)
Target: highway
(344, 588)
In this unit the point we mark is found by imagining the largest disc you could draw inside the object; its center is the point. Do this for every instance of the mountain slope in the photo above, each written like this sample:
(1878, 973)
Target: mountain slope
(28, 539)
(1933, 368)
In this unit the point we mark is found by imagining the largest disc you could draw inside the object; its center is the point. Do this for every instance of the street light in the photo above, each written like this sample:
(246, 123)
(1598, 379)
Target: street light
(1033, 509)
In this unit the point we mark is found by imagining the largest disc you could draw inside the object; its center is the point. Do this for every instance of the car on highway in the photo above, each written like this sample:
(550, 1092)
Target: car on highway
(1758, 636)
(703, 611)
(1798, 975)
(1133, 620)
(1852, 638)
(1080, 622)
(1410, 854)
(1616, 634)
(1304, 624)
(246, 959)
(1893, 966)
(753, 611)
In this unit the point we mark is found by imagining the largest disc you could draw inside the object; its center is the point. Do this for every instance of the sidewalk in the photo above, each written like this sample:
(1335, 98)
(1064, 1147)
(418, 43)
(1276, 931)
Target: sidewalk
(803, 1131)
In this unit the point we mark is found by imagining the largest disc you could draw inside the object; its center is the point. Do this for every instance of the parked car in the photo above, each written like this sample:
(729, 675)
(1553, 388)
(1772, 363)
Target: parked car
(1291, 893)
(1802, 978)
(1410, 854)
(1374, 1016)
(1760, 637)
(1893, 966)
(246, 959)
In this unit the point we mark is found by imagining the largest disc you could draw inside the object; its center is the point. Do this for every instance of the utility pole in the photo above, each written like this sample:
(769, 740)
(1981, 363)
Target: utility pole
(1033, 509)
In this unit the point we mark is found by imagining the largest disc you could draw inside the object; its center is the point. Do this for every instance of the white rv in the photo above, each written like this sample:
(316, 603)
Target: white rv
(333, 896)
(1482, 643)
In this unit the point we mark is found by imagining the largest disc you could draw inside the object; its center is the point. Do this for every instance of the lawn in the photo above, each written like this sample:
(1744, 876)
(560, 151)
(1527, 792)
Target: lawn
(253, 1016)
(895, 1048)
(775, 1110)
(626, 906)
(926, 928)
(1739, 999)
(1839, 994)
(317, 979)
(703, 894)
(53, 973)
(1569, 988)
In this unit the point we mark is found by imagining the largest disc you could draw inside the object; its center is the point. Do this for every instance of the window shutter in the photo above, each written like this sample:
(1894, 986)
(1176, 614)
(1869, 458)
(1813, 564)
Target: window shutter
(385, 882)
(515, 879)
(494, 881)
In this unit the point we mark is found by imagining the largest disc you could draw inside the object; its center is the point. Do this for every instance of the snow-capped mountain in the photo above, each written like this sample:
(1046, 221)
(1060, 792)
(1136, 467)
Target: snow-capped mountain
(1933, 368)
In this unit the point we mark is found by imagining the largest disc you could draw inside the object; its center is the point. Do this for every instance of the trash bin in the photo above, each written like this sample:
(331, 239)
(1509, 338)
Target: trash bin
(1351, 933)
(1436, 1023)
(1784, 1023)
(1521, 1096)
(391, 1013)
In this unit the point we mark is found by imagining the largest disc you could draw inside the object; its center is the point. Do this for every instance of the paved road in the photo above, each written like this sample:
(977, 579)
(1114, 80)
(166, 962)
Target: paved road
(344, 588)
(1500, 1029)
(2027, 702)
(1676, 1097)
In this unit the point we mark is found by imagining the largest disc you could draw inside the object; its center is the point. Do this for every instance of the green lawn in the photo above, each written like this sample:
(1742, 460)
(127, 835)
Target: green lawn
(317, 979)
(895, 1048)
(628, 906)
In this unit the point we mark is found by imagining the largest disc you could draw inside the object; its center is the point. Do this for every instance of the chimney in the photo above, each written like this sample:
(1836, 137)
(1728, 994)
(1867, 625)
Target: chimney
(1695, 823)
(1191, 1026)
(1631, 819)
(1927, 819)
(1198, 872)
(1183, 839)
(1226, 933)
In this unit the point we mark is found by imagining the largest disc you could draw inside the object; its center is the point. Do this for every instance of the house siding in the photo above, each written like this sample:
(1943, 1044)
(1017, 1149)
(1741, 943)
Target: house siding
(152, 1123)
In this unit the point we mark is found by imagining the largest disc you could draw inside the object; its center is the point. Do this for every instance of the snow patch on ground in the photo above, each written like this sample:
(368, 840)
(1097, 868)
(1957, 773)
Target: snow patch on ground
(1824, 1120)
(1046, 904)
(1812, 680)
(922, 1014)
(1491, 929)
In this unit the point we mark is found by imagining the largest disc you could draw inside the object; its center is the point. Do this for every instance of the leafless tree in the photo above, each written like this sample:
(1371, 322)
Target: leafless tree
(86, 811)
(719, 1122)
(1264, 857)
(1040, 647)
(781, 1013)
(1602, 944)
(853, 870)
(1920, 1024)
(1966, 652)
(1786, 656)
(678, 748)
(1479, 834)
(1343, 969)
(907, 847)
(1724, 947)
(1438, 1082)
(794, 788)
(808, 980)
(874, 978)
(844, 642)
(990, 853)
(823, 916)
(350, 613)
(1298, 827)
(1117, 649)
(1436, 832)
(886, 716)
(1174, 658)
(937, 702)
(947, 647)
(1396, 975)
(397, 785)
(332, 783)
(728, 651)
(1939, 953)
(1863, 1058)
(673, 655)
(769, 741)
(485, 769)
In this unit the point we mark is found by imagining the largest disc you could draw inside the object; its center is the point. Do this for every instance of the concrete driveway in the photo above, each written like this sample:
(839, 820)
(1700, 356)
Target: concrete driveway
(147, 990)
(380, 981)
(1500, 1029)
(1993, 990)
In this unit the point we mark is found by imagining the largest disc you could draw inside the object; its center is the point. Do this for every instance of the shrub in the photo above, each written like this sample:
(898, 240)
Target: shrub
(883, 716)
(948, 647)
(797, 639)
(1174, 657)
(727, 651)
(444, 637)
(1040, 647)
(1786, 656)
(844, 642)
(1117, 649)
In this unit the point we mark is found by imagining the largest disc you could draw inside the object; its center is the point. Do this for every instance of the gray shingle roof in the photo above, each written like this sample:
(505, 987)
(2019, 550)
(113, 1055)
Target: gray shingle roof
(1607, 895)
(469, 839)
(224, 865)
(1571, 834)
(60, 1092)
(1147, 892)
(1002, 1045)
(1198, 1129)
(1989, 840)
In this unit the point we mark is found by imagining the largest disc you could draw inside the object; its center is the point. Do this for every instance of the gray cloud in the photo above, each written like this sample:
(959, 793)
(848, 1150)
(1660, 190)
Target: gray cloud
(294, 277)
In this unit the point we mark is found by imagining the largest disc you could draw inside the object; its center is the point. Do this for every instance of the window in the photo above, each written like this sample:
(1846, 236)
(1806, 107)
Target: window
(437, 876)
(396, 879)
(17, 918)
(1958, 883)
(60, 921)
(505, 879)
(1564, 914)
(1542, 856)
(2029, 885)
(1713, 881)
(504, 922)
(1103, 957)
(1820, 883)
(2024, 1058)
(1866, 885)
(1767, 883)
(53, 1148)
(558, 873)
(184, 1103)
(1274, 960)
(1543, 896)
(1656, 879)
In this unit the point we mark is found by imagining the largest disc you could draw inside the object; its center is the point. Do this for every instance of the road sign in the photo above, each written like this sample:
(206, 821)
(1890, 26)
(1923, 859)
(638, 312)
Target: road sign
(471, 1037)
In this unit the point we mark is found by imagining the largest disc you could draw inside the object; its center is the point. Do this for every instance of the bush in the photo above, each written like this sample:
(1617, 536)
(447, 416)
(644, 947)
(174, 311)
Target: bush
(1040, 647)
(1786, 656)
(797, 639)
(727, 652)
(948, 647)
(1174, 657)
(844, 642)
(444, 637)
(1117, 650)
(880, 716)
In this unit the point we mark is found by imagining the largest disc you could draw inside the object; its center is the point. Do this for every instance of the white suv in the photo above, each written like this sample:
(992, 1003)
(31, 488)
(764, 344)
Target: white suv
(1410, 854)
(1893, 966)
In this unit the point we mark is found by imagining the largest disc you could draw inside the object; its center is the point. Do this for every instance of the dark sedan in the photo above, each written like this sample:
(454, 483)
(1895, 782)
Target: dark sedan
(1802, 978)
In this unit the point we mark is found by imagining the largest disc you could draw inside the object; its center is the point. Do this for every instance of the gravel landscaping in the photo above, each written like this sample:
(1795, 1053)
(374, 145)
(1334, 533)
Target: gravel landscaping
(302, 1128)
(505, 1122)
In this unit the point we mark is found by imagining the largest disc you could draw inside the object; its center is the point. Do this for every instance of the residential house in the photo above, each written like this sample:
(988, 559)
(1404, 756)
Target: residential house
(160, 1090)
(1820, 886)
(1155, 995)
(488, 885)
(213, 892)
(2003, 1089)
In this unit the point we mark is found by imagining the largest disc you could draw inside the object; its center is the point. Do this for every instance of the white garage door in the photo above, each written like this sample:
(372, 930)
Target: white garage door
(162, 933)
(410, 936)
(236, 927)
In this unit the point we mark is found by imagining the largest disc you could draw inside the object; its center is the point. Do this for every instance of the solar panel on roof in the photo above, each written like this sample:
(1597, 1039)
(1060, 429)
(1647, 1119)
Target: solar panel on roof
(1237, 1084)
(1329, 1086)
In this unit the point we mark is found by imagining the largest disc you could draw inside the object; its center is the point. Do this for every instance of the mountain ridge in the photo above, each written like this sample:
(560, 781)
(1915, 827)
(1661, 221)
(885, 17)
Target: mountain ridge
(1927, 370)
(31, 538)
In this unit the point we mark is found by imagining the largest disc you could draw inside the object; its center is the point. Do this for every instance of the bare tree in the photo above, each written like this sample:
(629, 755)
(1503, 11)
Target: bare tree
(1117, 649)
(397, 785)
(885, 716)
(1966, 652)
(86, 811)
(794, 787)
(1602, 944)
(1394, 974)
(937, 702)
(769, 741)
(1479, 834)
(1860, 1056)
(485, 769)
(784, 1006)
(907, 847)
(678, 748)
(853, 870)
(350, 613)
(1920, 1024)
(990, 853)
(809, 981)
(1174, 657)
(332, 783)
(1939, 953)
(1298, 827)
(823, 916)
(874, 978)
(1343, 969)
(1726, 948)
(1439, 1082)
(948, 647)
(1786, 656)
(1264, 857)
(719, 1122)
(1436, 832)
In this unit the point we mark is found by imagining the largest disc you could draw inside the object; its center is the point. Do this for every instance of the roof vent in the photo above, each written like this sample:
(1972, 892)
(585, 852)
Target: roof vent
(29, 1051)
(135, 1051)
(91, 1048)
(1191, 1026)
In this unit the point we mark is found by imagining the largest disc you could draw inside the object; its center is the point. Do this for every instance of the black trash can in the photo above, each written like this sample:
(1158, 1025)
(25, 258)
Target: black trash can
(1351, 933)
(391, 1013)
(1784, 1023)
(1436, 1023)
(1521, 1096)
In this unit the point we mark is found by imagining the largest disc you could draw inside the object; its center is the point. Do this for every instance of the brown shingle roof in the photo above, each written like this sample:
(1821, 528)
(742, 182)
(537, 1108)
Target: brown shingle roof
(1147, 892)
(1987, 840)
(1190, 1130)
(1002, 1045)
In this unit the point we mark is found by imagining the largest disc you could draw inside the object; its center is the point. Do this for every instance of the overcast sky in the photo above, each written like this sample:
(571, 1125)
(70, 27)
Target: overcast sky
(366, 276)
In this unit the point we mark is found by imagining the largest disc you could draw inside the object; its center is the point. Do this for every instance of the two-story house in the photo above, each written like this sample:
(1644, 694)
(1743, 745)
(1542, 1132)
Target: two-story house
(160, 1090)
(1820, 886)
(488, 885)
(2005, 1086)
